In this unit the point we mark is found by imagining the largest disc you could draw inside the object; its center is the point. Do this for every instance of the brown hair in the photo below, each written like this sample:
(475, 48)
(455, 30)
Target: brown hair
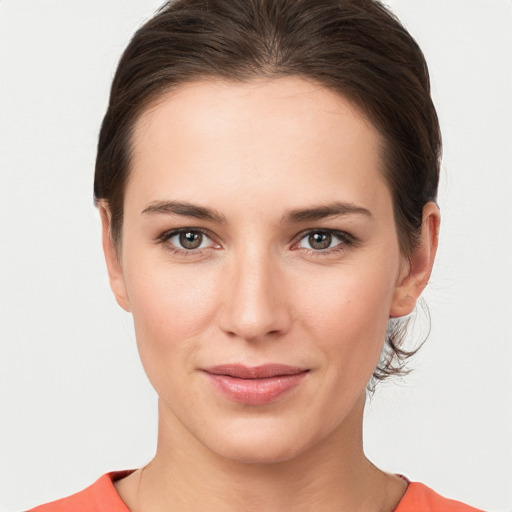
(354, 47)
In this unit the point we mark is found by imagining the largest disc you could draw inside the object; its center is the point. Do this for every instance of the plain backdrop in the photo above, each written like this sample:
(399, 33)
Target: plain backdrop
(74, 400)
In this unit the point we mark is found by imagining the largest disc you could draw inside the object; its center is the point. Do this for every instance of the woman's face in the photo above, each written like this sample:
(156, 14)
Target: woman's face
(260, 261)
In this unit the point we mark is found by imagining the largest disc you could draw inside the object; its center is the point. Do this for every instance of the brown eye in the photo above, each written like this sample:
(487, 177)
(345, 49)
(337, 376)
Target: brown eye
(190, 239)
(325, 240)
(320, 240)
(187, 239)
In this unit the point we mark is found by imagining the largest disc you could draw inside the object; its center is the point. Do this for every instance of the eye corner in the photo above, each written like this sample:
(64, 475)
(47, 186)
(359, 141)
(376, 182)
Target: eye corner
(344, 240)
(179, 246)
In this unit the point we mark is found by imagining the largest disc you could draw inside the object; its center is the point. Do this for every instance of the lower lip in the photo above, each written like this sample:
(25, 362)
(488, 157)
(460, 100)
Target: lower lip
(255, 391)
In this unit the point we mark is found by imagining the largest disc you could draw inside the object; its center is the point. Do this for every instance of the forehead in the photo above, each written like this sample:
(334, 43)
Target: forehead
(294, 137)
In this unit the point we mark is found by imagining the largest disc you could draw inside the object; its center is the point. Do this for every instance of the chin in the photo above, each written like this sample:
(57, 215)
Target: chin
(259, 444)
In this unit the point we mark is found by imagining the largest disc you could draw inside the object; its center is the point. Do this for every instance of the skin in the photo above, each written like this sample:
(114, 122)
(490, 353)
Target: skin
(257, 291)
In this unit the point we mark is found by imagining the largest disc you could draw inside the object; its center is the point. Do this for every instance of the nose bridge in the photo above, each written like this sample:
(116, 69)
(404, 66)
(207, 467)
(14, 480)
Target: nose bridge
(254, 307)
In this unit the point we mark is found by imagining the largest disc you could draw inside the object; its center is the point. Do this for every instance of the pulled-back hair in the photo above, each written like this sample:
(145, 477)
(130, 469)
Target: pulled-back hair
(356, 48)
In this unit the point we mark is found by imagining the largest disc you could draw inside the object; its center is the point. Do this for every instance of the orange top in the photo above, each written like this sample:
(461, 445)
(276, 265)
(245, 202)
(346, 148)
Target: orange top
(420, 498)
(102, 497)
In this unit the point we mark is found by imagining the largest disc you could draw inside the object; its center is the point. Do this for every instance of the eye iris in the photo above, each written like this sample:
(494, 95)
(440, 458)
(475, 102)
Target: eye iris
(190, 239)
(320, 240)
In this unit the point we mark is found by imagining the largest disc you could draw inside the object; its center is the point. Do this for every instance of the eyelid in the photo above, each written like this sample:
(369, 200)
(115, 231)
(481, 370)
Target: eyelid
(346, 240)
(165, 237)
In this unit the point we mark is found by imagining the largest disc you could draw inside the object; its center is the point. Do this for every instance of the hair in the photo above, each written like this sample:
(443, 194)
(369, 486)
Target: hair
(356, 48)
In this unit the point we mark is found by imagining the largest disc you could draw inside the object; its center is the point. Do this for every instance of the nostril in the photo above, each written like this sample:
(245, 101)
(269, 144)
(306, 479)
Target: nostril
(253, 308)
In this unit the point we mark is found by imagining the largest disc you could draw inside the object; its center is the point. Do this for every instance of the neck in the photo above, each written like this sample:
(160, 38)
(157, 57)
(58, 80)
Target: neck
(331, 475)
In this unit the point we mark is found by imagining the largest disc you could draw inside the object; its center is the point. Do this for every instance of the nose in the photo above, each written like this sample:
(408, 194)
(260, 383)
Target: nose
(255, 305)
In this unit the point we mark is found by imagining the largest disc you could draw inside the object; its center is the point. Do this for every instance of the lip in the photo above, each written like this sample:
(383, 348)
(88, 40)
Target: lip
(255, 385)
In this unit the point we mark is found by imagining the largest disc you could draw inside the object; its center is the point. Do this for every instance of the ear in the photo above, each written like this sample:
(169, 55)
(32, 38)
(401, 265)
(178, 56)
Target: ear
(416, 273)
(115, 270)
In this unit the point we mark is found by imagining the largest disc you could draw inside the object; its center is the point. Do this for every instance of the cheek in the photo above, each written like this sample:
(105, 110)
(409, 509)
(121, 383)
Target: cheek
(170, 309)
(349, 313)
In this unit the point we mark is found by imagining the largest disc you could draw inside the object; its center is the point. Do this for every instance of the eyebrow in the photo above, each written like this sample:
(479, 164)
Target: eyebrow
(313, 213)
(335, 209)
(185, 209)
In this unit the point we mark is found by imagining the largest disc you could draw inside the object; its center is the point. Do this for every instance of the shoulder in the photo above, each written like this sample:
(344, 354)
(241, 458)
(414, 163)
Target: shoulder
(420, 498)
(101, 496)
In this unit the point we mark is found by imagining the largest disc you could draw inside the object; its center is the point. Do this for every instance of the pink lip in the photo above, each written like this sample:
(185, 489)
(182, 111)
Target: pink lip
(255, 385)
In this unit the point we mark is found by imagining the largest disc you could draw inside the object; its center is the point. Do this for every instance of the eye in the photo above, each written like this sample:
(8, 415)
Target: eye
(187, 239)
(323, 240)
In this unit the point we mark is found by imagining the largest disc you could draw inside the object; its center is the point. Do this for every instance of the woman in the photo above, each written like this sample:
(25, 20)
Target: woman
(266, 178)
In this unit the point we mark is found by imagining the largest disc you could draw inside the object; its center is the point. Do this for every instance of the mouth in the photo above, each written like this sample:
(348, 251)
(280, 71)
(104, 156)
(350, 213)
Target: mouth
(255, 385)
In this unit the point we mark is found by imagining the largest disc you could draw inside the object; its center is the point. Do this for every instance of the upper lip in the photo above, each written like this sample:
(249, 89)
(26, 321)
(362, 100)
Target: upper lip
(263, 371)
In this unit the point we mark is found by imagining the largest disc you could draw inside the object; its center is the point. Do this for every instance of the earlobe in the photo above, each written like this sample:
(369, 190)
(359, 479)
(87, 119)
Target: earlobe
(419, 268)
(115, 270)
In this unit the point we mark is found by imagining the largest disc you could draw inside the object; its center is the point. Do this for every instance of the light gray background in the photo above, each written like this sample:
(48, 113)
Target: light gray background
(74, 400)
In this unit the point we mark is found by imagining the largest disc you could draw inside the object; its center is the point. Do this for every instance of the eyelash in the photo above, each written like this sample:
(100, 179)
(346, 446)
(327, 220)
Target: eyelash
(345, 240)
(165, 237)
